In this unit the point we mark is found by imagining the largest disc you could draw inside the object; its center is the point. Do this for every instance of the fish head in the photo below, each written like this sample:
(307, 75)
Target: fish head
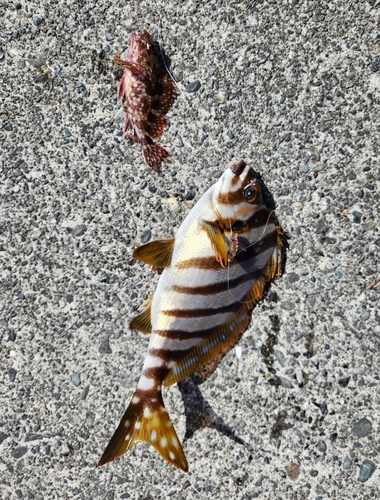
(142, 47)
(237, 196)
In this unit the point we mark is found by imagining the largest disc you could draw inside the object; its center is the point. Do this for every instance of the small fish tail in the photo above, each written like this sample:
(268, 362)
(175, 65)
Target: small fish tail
(147, 420)
(154, 155)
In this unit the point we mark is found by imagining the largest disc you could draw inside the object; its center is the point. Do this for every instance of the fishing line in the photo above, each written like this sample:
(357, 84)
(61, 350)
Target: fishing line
(246, 248)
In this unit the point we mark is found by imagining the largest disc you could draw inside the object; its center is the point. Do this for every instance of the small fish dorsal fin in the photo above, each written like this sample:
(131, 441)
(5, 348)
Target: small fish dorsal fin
(146, 420)
(217, 241)
(142, 322)
(156, 253)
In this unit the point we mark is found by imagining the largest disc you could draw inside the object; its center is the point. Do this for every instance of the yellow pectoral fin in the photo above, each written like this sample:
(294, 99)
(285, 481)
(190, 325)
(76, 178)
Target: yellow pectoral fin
(217, 241)
(156, 253)
(142, 322)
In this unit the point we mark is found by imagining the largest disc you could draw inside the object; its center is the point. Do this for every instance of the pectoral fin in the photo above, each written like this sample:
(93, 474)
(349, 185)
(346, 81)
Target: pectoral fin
(217, 241)
(142, 322)
(156, 253)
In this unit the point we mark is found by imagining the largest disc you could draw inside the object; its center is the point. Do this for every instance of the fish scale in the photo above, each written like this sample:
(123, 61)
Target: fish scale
(215, 270)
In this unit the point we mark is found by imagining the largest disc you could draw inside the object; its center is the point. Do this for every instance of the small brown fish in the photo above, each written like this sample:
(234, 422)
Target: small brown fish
(148, 93)
(215, 270)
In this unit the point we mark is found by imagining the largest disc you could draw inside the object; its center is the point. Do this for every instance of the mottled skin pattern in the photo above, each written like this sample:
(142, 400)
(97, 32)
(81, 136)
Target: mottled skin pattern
(148, 93)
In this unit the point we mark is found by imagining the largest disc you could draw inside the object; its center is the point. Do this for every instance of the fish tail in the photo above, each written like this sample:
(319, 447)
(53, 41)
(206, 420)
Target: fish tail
(154, 154)
(146, 419)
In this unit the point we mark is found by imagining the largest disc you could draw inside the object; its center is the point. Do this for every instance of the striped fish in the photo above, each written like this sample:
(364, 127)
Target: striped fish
(215, 270)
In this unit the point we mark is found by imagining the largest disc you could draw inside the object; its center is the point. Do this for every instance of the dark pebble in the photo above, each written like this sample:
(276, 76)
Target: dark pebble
(79, 85)
(104, 347)
(344, 381)
(143, 184)
(293, 277)
(230, 135)
(17, 6)
(362, 428)
(190, 194)
(19, 452)
(288, 306)
(66, 132)
(367, 468)
(3, 437)
(322, 227)
(8, 127)
(193, 86)
(357, 217)
(12, 374)
(347, 462)
(109, 37)
(75, 379)
(20, 296)
(78, 230)
(321, 446)
(37, 21)
(146, 236)
(85, 392)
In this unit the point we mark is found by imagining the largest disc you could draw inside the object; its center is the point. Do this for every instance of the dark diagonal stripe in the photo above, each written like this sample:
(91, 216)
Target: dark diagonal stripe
(199, 313)
(169, 355)
(219, 287)
(209, 263)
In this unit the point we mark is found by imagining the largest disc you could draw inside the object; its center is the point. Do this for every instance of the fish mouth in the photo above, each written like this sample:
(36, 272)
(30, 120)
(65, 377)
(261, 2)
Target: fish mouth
(237, 168)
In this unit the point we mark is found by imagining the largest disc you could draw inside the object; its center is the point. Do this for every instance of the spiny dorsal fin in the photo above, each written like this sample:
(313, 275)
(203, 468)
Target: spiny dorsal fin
(156, 253)
(146, 420)
(217, 241)
(142, 322)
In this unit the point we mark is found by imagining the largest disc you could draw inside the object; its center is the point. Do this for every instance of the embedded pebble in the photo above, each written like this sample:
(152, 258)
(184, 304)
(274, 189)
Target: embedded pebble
(365, 315)
(19, 452)
(193, 86)
(288, 305)
(37, 21)
(77, 230)
(104, 347)
(12, 372)
(362, 428)
(347, 462)
(293, 471)
(321, 446)
(146, 236)
(76, 379)
(367, 469)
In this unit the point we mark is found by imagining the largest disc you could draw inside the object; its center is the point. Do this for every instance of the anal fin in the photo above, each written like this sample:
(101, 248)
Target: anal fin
(155, 253)
(142, 322)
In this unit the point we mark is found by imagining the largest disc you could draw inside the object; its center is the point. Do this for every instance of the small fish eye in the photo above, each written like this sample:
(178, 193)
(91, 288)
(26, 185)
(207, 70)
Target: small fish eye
(250, 193)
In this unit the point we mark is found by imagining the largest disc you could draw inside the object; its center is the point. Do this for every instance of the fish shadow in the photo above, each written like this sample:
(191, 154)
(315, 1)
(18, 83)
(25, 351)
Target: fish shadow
(198, 412)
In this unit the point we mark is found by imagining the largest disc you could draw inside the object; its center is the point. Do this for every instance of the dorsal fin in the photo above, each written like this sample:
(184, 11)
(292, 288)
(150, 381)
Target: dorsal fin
(156, 253)
(142, 322)
(217, 241)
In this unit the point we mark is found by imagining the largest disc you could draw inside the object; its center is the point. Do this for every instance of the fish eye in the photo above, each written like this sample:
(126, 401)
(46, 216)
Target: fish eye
(250, 193)
(149, 46)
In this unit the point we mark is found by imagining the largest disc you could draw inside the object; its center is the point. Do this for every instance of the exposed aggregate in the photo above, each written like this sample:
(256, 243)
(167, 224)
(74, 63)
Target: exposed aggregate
(292, 87)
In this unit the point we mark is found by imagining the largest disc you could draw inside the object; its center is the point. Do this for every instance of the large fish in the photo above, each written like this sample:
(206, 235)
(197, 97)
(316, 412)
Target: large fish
(148, 93)
(215, 270)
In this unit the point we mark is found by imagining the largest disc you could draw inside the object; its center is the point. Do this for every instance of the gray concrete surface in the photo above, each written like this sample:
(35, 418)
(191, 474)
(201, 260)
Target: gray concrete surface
(293, 88)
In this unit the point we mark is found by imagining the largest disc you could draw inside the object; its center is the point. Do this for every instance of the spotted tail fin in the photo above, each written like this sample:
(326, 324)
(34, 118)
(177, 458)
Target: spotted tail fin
(154, 155)
(146, 420)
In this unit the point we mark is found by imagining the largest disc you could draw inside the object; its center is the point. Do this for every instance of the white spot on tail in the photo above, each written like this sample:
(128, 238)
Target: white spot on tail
(153, 435)
(146, 412)
(135, 400)
(137, 425)
(127, 437)
(171, 455)
(163, 442)
(126, 423)
(175, 442)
